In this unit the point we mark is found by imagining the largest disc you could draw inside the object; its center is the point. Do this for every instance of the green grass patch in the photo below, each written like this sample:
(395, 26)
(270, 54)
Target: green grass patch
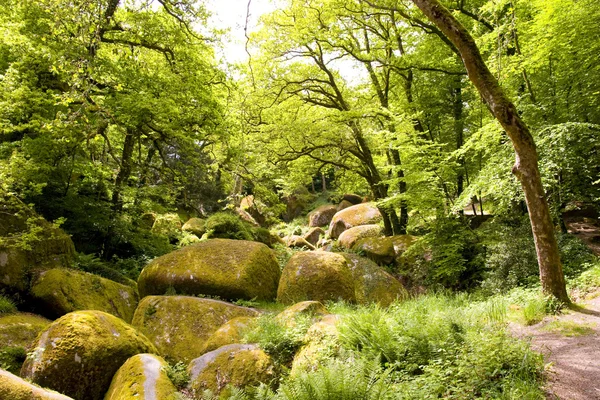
(7, 306)
(570, 328)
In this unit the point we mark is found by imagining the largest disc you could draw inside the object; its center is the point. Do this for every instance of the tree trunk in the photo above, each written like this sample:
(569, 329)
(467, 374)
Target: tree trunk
(124, 171)
(526, 165)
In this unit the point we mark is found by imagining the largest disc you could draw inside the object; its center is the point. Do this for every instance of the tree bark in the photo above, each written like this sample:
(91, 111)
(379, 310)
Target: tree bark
(526, 164)
(124, 171)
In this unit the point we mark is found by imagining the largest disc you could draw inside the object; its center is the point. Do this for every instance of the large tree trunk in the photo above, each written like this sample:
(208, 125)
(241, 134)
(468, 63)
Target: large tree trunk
(526, 164)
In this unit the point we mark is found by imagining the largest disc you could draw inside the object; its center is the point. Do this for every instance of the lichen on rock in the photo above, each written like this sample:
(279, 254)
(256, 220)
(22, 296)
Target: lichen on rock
(142, 377)
(360, 214)
(14, 388)
(231, 332)
(350, 236)
(18, 332)
(79, 353)
(179, 326)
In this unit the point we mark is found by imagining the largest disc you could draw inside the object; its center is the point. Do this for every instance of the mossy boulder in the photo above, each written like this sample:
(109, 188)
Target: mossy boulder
(60, 291)
(350, 236)
(309, 308)
(142, 377)
(18, 332)
(230, 269)
(322, 343)
(79, 353)
(384, 250)
(372, 284)
(14, 388)
(322, 215)
(28, 243)
(360, 214)
(316, 275)
(196, 226)
(313, 235)
(298, 242)
(235, 365)
(180, 325)
(167, 225)
(352, 198)
(231, 332)
(343, 205)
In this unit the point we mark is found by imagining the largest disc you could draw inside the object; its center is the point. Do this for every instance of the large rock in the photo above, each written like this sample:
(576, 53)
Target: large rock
(79, 353)
(251, 206)
(142, 377)
(18, 332)
(231, 332)
(316, 275)
(237, 365)
(352, 198)
(350, 236)
(197, 226)
(230, 269)
(60, 291)
(48, 248)
(384, 250)
(372, 284)
(14, 388)
(360, 214)
(180, 325)
(343, 205)
(298, 242)
(322, 215)
(313, 235)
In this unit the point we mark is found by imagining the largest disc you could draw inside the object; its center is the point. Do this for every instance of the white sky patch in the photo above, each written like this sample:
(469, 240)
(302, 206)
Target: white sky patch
(230, 15)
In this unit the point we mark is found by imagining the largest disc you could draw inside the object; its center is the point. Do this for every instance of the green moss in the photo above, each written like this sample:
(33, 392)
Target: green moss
(231, 269)
(319, 276)
(167, 225)
(308, 308)
(372, 283)
(350, 236)
(179, 325)
(14, 388)
(60, 291)
(197, 226)
(380, 250)
(12, 358)
(17, 335)
(79, 353)
(143, 376)
(231, 332)
(234, 365)
(225, 225)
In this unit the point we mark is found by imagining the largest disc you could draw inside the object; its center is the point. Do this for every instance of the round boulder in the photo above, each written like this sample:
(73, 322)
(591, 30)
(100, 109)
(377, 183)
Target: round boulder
(18, 332)
(350, 236)
(79, 353)
(384, 250)
(142, 377)
(180, 325)
(230, 269)
(372, 284)
(313, 235)
(14, 388)
(197, 226)
(316, 275)
(360, 214)
(322, 215)
(237, 365)
(60, 291)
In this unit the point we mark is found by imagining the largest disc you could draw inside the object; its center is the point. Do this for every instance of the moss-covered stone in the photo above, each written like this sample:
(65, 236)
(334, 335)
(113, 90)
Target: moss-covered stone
(46, 246)
(372, 284)
(230, 269)
(17, 336)
(311, 308)
(352, 198)
(142, 377)
(313, 235)
(384, 250)
(14, 388)
(298, 242)
(179, 325)
(197, 226)
(237, 365)
(231, 332)
(343, 205)
(322, 215)
(350, 236)
(316, 275)
(322, 343)
(167, 224)
(360, 214)
(61, 291)
(79, 353)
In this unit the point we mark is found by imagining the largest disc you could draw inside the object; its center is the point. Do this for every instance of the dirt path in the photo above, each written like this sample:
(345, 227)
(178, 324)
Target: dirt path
(574, 372)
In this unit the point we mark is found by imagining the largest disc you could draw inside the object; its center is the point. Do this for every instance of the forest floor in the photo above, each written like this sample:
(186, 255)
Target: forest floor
(570, 343)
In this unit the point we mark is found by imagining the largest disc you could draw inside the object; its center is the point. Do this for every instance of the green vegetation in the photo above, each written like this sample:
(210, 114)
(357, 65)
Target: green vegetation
(570, 328)
(7, 306)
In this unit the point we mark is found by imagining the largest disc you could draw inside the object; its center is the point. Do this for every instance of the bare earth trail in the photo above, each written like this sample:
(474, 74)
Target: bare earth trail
(574, 372)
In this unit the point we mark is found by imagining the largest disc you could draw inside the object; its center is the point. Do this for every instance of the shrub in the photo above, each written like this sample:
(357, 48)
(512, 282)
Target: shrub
(12, 358)
(225, 225)
(7, 306)
(178, 374)
(92, 264)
